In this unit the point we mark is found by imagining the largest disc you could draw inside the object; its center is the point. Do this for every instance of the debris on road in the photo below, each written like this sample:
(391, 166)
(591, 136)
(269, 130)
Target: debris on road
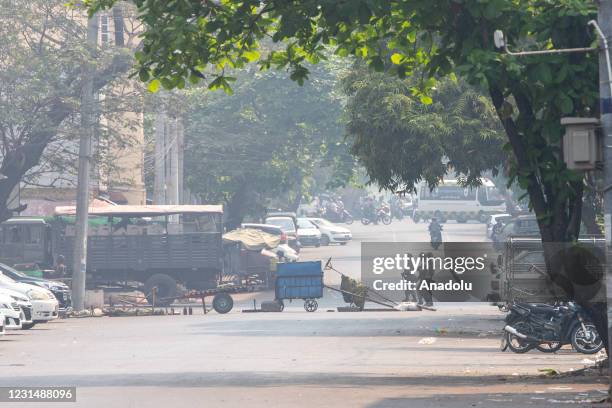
(427, 340)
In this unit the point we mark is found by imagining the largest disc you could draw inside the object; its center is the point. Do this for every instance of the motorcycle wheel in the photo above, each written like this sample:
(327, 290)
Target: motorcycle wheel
(348, 220)
(587, 342)
(365, 221)
(515, 343)
(549, 347)
(386, 219)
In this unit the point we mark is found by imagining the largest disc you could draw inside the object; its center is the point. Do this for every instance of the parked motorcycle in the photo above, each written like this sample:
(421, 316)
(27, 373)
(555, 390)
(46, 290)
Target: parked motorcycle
(547, 328)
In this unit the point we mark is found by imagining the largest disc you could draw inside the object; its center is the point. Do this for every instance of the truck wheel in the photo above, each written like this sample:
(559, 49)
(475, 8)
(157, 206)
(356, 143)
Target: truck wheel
(310, 305)
(166, 289)
(28, 326)
(223, 303)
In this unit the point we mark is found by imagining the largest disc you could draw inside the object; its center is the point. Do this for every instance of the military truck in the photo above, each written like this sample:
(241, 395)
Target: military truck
(139, 247)
(521, 269)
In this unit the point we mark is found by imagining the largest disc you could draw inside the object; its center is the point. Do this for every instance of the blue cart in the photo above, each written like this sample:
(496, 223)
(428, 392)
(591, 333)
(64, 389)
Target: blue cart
(300, 280)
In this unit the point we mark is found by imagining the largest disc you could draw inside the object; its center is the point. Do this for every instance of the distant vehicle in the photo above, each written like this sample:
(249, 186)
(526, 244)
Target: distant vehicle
(504, 218)
(520, 271)
(129, 247)
(308, 233)
(288, 223)
(60, 290)
(45, 306)
(11, 311)
(521, 226)
(449, 200)
(331, 233)
(1, 324)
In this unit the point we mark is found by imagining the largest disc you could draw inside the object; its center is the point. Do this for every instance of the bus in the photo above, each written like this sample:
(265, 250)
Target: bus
(451, 201)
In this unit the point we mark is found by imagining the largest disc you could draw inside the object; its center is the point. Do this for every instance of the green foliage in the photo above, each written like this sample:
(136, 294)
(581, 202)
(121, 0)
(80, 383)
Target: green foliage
(43, 51)
(401, 141)
(261, 145)
(422, 38)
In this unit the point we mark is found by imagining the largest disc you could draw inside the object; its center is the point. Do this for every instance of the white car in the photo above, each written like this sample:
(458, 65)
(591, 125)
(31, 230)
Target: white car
(331, 233)
(45, 306)
(493, 220)
(308, 233)
(24, 303)
(11, 311)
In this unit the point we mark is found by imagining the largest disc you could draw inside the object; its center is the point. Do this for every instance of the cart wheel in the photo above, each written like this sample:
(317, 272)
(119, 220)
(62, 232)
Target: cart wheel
(223, 303)
(310, 305)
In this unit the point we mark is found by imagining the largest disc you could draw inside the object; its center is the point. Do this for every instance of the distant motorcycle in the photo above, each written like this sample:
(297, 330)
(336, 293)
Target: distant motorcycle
(435, 235)
(381, 215)
(547, 328)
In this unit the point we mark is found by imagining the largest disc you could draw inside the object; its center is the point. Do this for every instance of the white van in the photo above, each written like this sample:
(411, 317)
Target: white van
(451, 201)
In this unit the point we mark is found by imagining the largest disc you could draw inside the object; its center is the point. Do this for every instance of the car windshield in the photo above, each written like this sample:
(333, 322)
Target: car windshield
(304, 223)
(286, 224)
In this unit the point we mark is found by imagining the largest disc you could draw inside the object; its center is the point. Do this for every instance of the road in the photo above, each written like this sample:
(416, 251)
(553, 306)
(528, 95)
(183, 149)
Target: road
(447, 358)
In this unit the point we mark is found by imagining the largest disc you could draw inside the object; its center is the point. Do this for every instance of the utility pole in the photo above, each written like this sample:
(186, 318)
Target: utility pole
(159, 191)
(604, 20)
(79, 267)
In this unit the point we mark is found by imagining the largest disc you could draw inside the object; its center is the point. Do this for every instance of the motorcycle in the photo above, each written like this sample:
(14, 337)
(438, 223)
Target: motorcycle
(381, 214)
(548, 328)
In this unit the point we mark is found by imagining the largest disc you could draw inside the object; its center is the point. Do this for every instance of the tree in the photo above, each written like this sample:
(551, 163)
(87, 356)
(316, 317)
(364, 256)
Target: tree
(431, 39)
(258, 147)
(402, 141)
(42, 50)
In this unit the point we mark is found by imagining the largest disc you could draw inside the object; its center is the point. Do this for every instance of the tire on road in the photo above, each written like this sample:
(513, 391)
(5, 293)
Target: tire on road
(28, 326)
(223, 303)
(167, 289)
(324, 240)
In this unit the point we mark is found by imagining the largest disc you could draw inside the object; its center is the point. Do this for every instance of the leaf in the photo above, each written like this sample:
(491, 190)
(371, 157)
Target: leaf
(251, 55)
(396, 58)
(143, 75)
(565, 103)
(426, 100)
(543, 73)
(154, 85)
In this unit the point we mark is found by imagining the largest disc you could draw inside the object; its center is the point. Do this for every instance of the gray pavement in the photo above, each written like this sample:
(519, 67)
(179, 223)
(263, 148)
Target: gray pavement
(447, 358)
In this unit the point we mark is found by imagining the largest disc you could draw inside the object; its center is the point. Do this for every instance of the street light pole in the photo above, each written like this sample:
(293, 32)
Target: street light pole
(79, 264)
(604, 19)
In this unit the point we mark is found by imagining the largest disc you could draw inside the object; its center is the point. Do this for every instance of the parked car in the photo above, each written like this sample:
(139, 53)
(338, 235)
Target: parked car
(11, 311)
(60, 290)
(331, 233)
(45, 306)
(288, 223)
(308, 233)
(504, 218)
(283, 250)
(523, 225)
(24, 304)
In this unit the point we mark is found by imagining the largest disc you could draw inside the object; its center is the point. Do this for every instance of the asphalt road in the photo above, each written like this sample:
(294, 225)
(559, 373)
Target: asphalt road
(447, 358)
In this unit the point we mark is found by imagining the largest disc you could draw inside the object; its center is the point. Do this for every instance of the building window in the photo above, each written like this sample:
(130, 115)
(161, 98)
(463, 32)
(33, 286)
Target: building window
(105, 38)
